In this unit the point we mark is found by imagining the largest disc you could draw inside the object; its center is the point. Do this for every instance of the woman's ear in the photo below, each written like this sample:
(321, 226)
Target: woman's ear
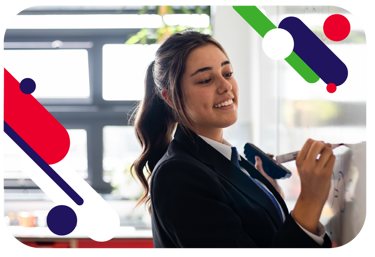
(166, 94)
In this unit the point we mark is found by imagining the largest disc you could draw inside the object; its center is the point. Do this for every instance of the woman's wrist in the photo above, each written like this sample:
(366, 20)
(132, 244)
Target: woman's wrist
(307, 214)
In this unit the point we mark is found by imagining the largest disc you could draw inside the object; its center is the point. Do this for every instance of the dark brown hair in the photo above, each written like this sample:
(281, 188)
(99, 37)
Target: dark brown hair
(154, 120)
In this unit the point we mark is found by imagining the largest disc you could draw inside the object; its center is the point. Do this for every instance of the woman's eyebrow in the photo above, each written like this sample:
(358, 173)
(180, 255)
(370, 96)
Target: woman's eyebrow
(208, 68)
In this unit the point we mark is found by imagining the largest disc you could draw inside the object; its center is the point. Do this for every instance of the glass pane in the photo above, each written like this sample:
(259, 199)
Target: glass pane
(15, 158)
(124, 70)
(121, 148)
(87, 21)
(57, 73)
(84, 7)
(77, 155)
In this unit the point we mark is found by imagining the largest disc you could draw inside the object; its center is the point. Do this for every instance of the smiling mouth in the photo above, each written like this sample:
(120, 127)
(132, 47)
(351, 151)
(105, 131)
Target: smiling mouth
(226, 103)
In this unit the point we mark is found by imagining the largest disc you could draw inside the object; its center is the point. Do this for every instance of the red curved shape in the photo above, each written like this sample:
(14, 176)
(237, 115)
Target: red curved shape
(31, 121)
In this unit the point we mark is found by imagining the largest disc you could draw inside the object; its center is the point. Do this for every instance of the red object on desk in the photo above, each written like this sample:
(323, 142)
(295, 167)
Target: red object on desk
(116, 243)
(48, 244)
(88, 243)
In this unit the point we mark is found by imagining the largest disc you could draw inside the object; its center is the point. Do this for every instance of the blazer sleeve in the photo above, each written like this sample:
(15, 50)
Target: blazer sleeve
(191, 207)
(290, 235)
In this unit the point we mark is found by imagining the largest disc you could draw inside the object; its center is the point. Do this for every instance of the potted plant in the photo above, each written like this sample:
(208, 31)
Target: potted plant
(155, 36)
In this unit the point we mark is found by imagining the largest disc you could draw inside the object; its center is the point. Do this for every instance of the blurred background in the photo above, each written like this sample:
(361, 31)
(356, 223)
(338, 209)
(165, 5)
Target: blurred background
(89, 64)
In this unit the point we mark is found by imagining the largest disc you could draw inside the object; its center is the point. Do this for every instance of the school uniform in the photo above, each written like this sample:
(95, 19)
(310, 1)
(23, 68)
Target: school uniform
(201, 198)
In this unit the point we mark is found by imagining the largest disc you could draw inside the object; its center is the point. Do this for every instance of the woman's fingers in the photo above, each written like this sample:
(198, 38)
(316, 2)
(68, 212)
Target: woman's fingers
(324, 156)
(305, 149)
(315, 149)
(314, 174)
(330, 163)
(258, 164)
(259, 167)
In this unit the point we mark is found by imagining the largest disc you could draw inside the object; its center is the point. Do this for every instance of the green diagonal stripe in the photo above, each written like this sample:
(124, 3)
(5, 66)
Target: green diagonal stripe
(255, 18)
(302, 68)
(261, 24)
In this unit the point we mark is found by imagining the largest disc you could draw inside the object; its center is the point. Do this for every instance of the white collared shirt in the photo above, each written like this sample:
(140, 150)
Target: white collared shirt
(226, 150)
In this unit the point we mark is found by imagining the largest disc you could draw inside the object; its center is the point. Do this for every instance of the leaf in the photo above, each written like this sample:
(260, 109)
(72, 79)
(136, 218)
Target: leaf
(142, 33)
(198, 9)
(172, 29)
(207, 30)
(185, 10)
(207, 10)
(182, 27)
(170, 10)
(161, 30)
(164, 31)
(132, 40)
(143, 40)
(139, 36)
(144, 9)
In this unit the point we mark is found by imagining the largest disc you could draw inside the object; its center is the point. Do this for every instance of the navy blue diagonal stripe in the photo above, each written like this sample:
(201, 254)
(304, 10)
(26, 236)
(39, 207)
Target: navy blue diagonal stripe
(42, 164)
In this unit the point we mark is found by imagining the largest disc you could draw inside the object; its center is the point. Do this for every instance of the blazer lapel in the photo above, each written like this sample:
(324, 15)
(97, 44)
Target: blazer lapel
(257, 175)
(225, 168)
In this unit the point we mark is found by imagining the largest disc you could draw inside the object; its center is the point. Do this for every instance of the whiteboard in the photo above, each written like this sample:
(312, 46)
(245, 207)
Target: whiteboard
(346, 204)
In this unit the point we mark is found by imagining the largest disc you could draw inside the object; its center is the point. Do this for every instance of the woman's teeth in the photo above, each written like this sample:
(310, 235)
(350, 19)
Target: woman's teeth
(226, 103)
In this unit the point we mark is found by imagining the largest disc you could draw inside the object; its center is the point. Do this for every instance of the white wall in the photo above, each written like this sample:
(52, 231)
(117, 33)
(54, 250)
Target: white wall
(236, 36)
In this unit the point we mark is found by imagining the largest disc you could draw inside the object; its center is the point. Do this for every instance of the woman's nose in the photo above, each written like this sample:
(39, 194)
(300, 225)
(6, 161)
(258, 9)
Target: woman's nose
(224, 85)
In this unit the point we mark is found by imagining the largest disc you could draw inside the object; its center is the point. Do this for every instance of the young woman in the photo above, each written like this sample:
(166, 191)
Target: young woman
(199, 191)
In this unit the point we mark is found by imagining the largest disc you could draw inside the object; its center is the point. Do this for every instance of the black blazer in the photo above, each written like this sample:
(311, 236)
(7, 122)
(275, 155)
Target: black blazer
(201, 199)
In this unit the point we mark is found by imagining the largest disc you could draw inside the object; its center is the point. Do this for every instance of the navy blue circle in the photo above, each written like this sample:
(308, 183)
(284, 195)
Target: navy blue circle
(27, 86)
(61, 220)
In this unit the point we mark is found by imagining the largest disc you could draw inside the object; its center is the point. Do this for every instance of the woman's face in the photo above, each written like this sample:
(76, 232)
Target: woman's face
(208, 86)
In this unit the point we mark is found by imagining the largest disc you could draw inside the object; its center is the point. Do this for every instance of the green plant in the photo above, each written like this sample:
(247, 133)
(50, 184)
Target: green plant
(152, 36)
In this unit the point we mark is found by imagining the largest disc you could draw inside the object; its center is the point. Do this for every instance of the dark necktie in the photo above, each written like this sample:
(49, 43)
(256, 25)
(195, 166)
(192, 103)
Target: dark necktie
(234, 159)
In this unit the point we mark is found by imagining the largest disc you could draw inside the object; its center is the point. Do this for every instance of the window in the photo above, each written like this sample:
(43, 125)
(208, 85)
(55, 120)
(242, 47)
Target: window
(52, 70)
(124, 70)
(69, 85)
(15, 160)
(89, 81)
(121, 148)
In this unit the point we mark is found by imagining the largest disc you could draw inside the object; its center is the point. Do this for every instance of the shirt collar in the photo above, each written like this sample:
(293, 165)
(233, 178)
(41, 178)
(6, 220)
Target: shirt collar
(225, 148)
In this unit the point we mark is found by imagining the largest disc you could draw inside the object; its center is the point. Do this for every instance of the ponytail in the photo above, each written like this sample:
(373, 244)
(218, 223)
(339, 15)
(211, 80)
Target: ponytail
(154, 124)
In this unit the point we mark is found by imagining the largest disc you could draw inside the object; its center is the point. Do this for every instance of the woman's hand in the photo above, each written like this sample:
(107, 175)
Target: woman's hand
(259, 167)
(315, 174)
(315, 178)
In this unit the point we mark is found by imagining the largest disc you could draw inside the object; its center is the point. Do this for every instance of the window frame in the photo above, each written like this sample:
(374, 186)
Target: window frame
(91, 114)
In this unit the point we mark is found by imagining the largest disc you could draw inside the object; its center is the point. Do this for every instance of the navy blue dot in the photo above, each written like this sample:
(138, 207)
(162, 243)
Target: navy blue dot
(27, 86)
(61, 220)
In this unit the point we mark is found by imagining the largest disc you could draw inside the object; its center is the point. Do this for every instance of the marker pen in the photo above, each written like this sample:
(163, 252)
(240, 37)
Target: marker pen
(293, 155)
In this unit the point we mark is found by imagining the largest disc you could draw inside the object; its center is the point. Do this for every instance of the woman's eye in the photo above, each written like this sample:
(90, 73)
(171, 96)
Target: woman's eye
(205, 81)
(228, 75)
